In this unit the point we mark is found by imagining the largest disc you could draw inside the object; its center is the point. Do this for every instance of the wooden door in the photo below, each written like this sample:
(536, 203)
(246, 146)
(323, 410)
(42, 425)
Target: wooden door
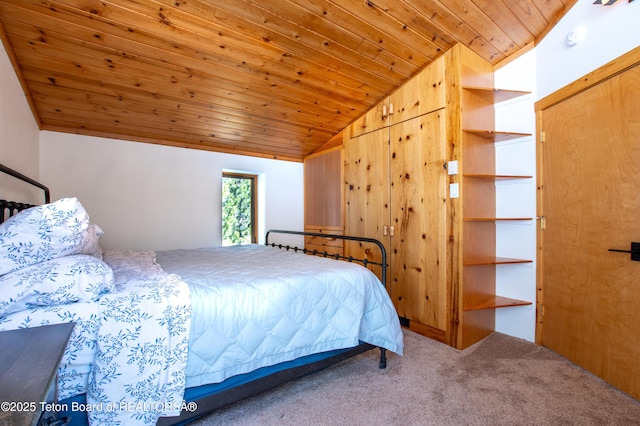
(589, 165)
(366, 171)
(418, 215)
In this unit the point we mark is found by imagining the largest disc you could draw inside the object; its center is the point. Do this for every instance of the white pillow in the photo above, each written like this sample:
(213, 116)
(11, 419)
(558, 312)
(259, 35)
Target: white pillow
(46, 232)
(76, 278)
(91, 244)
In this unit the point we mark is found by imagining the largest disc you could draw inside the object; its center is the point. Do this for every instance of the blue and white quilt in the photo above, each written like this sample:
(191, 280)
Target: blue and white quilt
(256, 306)
(143, 336)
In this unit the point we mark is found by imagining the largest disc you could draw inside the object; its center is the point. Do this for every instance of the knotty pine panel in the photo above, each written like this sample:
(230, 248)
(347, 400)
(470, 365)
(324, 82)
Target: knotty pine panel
(418, 214)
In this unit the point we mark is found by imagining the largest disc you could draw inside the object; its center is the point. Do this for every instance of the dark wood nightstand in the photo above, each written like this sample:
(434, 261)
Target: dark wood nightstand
(29, 361)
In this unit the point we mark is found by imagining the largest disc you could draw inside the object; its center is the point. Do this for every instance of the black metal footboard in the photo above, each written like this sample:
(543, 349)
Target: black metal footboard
(383, 263)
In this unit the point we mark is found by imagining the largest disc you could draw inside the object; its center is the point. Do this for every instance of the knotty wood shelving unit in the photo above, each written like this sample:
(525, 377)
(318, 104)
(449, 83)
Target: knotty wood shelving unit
(478, 298)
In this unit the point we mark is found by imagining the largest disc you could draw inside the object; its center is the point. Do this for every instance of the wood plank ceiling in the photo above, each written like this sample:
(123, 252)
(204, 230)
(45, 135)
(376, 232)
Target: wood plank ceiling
(275, 78)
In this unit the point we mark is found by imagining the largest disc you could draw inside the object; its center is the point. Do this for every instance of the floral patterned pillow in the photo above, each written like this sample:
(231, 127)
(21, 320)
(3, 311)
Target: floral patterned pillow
(91, 244)
(76, 278)
(47, 232)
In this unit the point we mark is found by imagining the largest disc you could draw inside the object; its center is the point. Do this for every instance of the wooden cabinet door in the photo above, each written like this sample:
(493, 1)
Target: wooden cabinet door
(324, 200)
(588, 169)
(323, 189)
(367, 192)
(432, 87)
(423, 94)
(376, 118)
(404, 103)
(418, 215)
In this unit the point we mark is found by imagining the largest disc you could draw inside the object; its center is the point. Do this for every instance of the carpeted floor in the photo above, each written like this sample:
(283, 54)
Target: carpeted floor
(498, 381)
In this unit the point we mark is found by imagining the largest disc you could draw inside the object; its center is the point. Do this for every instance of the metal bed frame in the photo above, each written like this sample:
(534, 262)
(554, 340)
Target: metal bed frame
(209, 403)
(383, 262)
(13, 207)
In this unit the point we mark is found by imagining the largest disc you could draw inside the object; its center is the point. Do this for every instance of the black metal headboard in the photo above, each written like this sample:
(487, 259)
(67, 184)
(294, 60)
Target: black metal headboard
(12, 207)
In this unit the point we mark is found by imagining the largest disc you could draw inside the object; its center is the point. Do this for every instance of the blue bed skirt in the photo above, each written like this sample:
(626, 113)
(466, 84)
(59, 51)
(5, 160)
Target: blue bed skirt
(79, 417)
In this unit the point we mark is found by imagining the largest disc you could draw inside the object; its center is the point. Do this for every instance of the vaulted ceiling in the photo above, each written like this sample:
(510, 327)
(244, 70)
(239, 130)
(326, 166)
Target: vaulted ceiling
(268, 78)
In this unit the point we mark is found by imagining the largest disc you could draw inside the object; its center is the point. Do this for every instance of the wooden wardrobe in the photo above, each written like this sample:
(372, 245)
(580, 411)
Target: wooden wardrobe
(419, 175)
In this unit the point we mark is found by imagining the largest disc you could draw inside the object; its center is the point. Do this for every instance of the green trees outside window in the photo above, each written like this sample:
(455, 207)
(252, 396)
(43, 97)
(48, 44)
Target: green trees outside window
(238, 209)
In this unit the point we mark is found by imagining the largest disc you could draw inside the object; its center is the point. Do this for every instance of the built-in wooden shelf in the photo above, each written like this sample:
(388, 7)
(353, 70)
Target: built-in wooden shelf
(495, 95)
(491, 260)
(494, 219)
(493, 136)
(495, 177)
(492, 302)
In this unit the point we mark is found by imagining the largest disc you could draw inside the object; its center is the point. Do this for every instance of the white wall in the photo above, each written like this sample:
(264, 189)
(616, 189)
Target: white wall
(19, 149)
(610, 31)
(155, 197)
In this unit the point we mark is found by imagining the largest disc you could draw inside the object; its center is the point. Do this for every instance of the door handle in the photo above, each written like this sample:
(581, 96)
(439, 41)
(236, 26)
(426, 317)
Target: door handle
(635, 251)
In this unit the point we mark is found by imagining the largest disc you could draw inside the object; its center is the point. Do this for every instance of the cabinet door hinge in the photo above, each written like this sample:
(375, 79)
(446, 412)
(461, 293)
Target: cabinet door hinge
(542, 221)
(542, 136)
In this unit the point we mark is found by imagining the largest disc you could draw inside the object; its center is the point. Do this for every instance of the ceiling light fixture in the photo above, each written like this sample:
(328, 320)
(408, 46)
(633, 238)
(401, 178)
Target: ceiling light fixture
(607, 3)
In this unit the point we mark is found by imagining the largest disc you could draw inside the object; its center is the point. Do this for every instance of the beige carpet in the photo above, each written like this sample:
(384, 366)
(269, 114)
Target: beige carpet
(499, 381)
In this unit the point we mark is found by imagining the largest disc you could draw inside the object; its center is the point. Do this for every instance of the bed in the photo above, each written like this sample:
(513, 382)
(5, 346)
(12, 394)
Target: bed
(166, 337)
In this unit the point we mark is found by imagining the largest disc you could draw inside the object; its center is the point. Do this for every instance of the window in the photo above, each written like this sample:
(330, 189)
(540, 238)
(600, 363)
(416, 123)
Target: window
(239, 206)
